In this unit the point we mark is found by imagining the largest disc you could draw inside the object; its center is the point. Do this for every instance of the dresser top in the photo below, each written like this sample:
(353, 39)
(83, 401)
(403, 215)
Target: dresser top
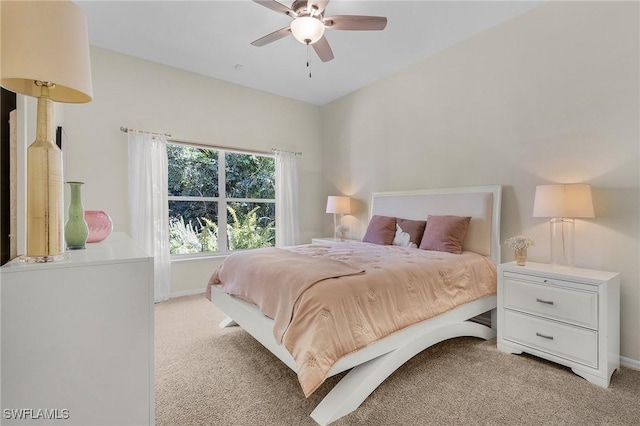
(117, 248)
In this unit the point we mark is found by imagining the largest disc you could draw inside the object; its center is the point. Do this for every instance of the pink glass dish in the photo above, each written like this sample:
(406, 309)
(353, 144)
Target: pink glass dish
(100, 225)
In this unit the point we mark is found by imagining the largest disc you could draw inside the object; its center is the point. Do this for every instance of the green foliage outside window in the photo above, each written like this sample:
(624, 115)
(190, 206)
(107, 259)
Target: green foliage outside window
(249, 176)
(185, 238)
(249, 231)
(194, 178)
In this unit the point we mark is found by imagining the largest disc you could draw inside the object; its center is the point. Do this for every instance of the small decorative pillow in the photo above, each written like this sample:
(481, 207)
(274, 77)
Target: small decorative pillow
(445, 233)
(381, 230)
(409, 232)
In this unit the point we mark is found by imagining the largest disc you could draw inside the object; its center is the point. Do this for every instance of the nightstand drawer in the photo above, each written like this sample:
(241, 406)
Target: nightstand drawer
(563, 304)
(573, 343)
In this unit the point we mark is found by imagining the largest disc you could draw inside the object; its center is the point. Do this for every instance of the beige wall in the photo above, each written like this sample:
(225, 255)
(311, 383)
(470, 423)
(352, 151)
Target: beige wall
(550, 96)
(143, 95)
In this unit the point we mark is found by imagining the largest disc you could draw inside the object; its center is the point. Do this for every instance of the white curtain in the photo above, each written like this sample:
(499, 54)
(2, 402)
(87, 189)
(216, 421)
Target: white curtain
(148, 206)
(287, 210)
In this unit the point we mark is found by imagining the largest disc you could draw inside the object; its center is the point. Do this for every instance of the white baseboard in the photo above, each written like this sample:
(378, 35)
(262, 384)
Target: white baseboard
(186, 293)
(630, 363)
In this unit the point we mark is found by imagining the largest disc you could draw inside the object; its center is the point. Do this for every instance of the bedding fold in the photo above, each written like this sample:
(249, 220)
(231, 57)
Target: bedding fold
(273, 279)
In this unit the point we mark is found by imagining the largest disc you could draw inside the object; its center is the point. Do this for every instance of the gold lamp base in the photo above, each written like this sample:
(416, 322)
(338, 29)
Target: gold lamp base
(45, 239)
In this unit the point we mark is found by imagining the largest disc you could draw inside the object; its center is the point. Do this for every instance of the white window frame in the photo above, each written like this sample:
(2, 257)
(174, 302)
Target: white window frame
(221, 199)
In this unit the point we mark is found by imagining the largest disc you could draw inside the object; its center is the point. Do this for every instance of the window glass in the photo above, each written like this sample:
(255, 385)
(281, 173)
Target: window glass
(249, 176)
(198, 193)
(193, 226)
(192, 171)
(251, 225)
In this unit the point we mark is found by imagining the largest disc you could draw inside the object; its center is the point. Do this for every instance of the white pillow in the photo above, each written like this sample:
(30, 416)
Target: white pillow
(403, 239)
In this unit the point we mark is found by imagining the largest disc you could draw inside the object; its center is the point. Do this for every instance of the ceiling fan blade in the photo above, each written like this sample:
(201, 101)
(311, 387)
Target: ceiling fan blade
(319, 5)
(270, 38)
(355, 22)
(323, 49)
(278, 7)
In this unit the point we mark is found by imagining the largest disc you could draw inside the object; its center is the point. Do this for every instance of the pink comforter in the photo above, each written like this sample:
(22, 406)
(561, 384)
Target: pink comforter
(331, 318)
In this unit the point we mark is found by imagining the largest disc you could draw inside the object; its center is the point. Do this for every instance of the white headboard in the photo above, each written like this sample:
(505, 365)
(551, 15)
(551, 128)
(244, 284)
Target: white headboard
(482, 203)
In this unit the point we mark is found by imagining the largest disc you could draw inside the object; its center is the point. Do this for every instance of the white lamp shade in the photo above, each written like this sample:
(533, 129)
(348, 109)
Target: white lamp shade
(338, 205)
(307, 30)
(46, 41)
(570, 201)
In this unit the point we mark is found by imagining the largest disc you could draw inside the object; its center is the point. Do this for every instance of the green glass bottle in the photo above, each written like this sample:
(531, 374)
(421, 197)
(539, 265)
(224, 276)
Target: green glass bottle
(76, 230)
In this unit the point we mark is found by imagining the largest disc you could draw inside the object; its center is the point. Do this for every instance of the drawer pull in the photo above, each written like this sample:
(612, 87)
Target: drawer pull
(547, 302)
(544, 336)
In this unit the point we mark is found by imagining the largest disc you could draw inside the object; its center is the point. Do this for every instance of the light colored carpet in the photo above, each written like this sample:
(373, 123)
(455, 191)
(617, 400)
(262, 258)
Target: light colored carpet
(211, 376)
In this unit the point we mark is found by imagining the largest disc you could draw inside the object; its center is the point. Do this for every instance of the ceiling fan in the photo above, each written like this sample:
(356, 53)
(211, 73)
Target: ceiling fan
(309, 23)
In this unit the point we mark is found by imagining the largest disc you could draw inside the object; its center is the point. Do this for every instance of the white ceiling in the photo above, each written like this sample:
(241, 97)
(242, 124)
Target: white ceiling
(213, 38)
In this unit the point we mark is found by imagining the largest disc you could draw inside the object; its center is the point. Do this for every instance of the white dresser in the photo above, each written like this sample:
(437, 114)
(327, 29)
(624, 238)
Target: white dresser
(77, 338)
(569, 316)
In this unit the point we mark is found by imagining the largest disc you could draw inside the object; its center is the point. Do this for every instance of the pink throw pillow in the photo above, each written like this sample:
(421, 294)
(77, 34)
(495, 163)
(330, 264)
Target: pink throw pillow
(381, 230)
(445, 233)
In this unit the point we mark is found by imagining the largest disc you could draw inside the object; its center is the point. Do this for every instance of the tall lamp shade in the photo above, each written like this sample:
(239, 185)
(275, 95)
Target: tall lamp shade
(46, 41)
(338, 205)
(563, 203)
(45, 54)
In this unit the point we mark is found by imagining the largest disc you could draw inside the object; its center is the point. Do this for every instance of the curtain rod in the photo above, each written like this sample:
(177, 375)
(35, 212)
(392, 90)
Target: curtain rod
(288, 152)
(202, 145)
(227, 148)
(126, 130)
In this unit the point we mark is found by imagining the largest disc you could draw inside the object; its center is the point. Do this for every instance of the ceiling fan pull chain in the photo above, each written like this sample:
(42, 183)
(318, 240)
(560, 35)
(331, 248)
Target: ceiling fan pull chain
(308, 61)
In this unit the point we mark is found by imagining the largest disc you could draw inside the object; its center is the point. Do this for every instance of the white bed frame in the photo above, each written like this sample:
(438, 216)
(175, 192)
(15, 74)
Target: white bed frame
(371, 365)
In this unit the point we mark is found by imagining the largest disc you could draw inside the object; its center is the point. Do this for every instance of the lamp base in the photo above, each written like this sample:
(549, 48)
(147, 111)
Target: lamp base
(44, 189)
(338, 229)
(44, 259)
(562, 242)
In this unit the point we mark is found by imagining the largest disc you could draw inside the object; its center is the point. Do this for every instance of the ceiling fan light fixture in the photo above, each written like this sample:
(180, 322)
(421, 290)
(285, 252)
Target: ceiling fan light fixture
(307, 29)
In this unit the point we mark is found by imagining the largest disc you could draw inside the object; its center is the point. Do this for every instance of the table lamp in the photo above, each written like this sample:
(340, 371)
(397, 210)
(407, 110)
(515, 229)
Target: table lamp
(563, 203)
(45, 54)
(338, 206)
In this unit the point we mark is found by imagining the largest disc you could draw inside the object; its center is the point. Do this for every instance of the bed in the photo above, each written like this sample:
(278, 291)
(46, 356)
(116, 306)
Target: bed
(371, 364)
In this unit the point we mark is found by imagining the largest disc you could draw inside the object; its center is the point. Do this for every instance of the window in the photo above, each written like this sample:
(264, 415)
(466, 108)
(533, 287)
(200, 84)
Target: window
(219, 200)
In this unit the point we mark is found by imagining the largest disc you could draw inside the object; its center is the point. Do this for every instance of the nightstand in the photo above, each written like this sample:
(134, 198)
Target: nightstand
(330, 240)
(569, 316)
